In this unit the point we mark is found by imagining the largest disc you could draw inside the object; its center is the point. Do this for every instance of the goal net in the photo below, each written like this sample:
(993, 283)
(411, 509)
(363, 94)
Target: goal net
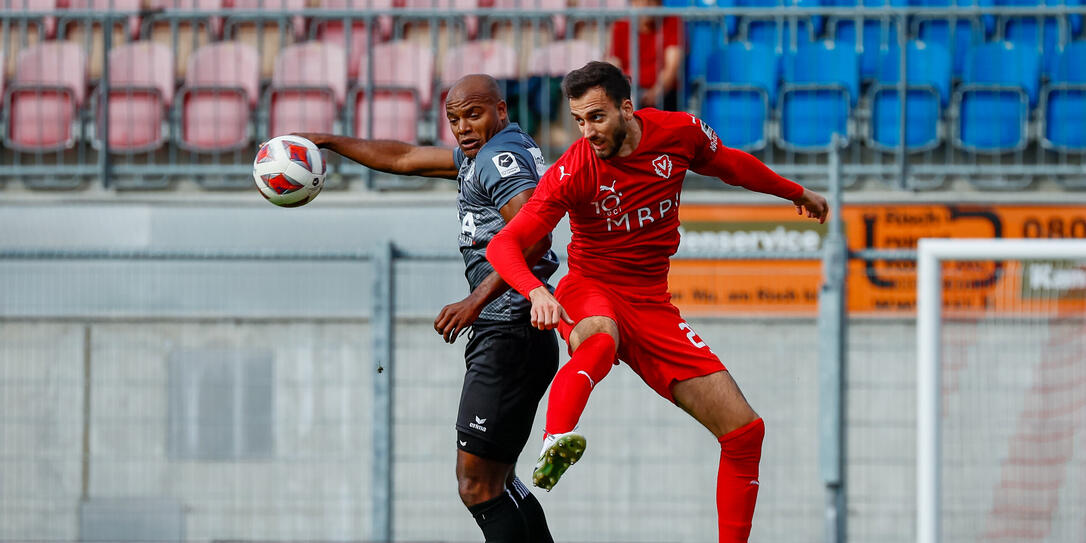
(1001, 390)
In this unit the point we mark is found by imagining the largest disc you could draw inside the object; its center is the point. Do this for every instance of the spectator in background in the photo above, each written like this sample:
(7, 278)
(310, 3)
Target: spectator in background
(660, 51)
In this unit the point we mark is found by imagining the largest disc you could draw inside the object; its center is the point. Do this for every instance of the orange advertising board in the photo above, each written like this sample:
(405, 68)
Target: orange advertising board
(881, 287)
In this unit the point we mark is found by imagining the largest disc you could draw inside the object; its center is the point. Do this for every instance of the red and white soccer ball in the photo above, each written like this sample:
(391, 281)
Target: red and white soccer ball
(289, 171)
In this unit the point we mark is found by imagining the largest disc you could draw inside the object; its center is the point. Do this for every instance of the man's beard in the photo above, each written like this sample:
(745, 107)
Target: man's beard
(620, 138)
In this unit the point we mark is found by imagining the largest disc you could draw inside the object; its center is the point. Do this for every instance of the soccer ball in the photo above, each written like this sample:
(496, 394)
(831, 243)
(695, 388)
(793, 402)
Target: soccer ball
(289, 171)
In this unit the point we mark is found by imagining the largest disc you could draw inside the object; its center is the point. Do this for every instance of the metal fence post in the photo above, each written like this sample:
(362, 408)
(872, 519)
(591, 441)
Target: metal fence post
(381, 325)
(831, 360)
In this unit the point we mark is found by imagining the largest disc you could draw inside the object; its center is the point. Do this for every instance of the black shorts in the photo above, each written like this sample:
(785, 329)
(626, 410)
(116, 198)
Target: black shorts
(509, 367)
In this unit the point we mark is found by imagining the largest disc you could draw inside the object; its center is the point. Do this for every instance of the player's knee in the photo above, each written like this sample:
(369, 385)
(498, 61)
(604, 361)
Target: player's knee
(590, 326)
(476, 488)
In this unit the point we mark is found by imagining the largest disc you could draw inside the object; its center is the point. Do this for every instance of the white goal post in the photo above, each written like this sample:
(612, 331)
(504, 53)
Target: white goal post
(930, 255)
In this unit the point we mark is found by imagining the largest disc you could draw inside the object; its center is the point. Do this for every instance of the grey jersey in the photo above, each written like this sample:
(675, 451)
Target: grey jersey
(507, 165)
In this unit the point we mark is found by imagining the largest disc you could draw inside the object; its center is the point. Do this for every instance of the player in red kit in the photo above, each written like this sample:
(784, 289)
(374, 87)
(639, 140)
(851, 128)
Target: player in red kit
(620, 185)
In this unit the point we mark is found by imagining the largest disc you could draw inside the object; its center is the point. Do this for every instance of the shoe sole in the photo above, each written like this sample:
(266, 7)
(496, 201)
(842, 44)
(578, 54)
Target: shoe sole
(564, 453)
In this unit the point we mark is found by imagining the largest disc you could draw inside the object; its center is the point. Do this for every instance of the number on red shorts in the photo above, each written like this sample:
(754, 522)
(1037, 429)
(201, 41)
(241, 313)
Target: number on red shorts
(692, 335)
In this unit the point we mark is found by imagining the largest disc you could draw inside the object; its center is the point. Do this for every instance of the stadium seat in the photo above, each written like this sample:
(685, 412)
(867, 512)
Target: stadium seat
(90, 35)
(487, 56)
(822, 83)
(928, 92)
(558, 22)
(1042, 34)
(877, 34)
(402, 88)
(958, 36)
(141, 91)
(48, 23)
(270, 37)
(45, 96)
(334, 31)
(741, 83)
(1000, 86)
(15, 39)
(221, 89)
(1065, 101)
(308, 88)
(558, 58)
(777, 32)
(447, 7)
(702, 38)
(181, 31)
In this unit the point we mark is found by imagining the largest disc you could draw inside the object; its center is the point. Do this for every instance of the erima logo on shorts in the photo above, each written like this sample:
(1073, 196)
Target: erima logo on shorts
(506, 164)
(478, 424)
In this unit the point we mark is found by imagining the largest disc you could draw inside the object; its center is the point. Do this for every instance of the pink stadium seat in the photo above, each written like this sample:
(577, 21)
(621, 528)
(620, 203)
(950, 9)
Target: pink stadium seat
(556, 59)
(297, 22)
(471, 22)
(333, 31)
(49, 23)
(115, 5)
(557, 21)
(221, 89)
(308, 88)
(43, 102)
(403, 86)
(215, 22)
(401, 64)
(191, 33)
(484, 56)
(140, 93)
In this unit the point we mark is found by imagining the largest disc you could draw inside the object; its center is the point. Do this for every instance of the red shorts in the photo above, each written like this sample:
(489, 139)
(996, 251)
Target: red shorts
(654, 340)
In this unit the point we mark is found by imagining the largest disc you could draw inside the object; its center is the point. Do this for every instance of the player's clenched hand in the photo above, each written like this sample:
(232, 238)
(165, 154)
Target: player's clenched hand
(546, 311)
(814, 204)
(457, 317)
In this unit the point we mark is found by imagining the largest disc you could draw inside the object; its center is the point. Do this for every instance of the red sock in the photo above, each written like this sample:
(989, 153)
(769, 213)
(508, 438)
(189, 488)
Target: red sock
(573, 383)
(737, 481)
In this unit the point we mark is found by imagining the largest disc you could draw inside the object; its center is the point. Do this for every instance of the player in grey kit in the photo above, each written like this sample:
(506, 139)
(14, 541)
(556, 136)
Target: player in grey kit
(509, 363)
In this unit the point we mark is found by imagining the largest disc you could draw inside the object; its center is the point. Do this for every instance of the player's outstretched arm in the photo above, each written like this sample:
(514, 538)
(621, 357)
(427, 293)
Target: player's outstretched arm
(457, 317)
(390, 156)
(742, 169)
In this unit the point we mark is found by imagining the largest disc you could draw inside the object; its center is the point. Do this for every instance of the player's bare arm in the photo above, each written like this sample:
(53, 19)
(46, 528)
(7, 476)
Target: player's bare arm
(457, 317)
(814, 204)
(395, 157)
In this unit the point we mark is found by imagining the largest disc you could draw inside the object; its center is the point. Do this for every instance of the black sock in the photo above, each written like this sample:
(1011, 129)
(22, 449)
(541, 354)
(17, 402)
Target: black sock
(500, 520)
(532, 511)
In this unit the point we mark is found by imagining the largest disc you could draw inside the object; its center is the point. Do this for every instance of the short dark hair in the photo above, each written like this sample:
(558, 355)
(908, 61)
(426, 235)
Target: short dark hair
(615, 84)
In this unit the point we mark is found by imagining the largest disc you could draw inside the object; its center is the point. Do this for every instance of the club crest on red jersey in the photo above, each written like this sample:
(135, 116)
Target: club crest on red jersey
(662, 165)
(280, 183)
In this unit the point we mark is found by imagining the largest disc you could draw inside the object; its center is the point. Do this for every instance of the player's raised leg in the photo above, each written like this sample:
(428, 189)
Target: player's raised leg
(716, 401)
(594, 342)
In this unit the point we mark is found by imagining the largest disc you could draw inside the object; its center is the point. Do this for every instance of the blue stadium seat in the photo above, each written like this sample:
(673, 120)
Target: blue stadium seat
(958, 36)
(1001, 85)
(778, 32)
(822, 84)
(741, 83)
(877, 37)
(1065, 101)
(927, 72)
(1044, 34)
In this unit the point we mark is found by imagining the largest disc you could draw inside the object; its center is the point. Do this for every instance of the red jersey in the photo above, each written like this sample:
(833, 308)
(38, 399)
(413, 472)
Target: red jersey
(651, 45)
(624, 211)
